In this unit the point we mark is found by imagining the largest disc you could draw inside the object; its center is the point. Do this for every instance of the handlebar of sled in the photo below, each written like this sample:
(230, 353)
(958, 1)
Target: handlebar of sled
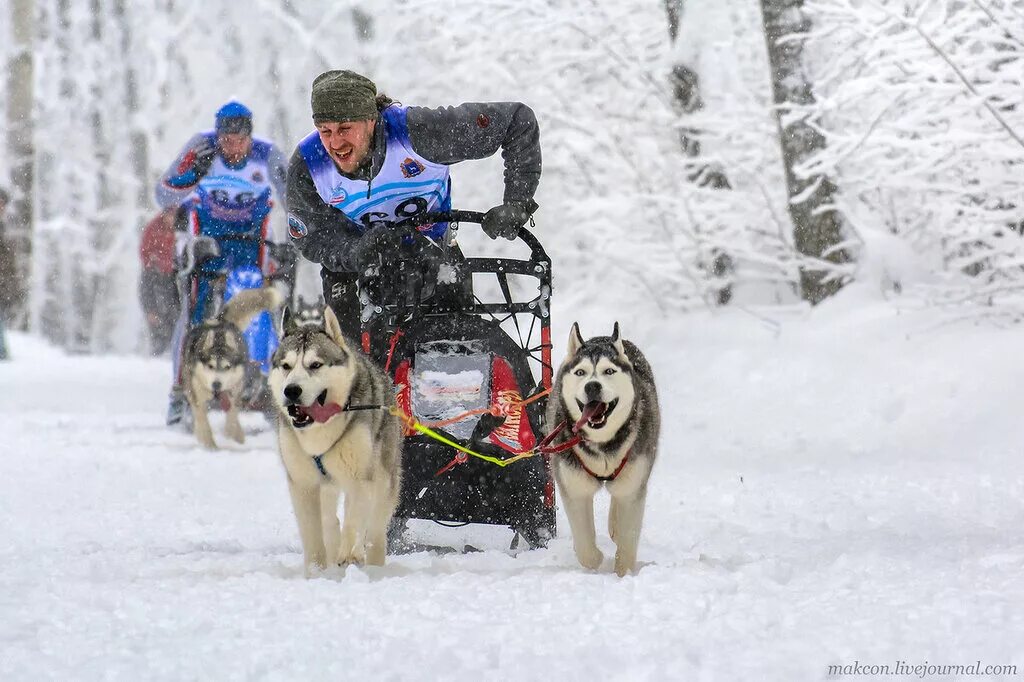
(537, 252)
(407, 297)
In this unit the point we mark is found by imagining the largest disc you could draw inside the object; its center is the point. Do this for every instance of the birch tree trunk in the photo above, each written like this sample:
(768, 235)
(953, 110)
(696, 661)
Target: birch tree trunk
(686, 96)
(817, 225)
(92, 322)
(139, 149)
(20, 153)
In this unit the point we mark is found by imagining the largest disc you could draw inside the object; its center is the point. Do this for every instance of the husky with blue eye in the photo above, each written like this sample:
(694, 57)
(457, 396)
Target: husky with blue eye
(605, 403)
(329, 448)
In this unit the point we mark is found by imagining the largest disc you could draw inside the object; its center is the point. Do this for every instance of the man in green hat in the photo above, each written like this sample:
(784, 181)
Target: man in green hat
(371, 161)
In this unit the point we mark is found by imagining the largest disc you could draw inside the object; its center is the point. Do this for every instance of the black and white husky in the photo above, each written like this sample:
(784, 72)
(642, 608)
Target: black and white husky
(329, 448)
(215, 358)
(308, 312)
(605, 401)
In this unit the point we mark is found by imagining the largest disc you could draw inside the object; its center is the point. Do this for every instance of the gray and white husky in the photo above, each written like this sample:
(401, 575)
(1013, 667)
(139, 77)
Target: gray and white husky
(328, 448)
(214, 361)
(604, 391)
(308, 312)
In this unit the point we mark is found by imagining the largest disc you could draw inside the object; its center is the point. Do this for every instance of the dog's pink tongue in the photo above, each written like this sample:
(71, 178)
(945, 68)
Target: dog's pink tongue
(590, 410)
(321, 413)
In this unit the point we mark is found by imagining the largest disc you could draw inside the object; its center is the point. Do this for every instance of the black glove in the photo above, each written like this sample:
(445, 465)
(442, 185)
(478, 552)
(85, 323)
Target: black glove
(204, 248)
(506, 220)
(379, 244)
(203, 155)
(389, 267)
(430, 258)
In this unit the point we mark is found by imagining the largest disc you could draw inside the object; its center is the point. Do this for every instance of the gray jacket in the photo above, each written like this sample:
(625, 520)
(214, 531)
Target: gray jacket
(444, 135)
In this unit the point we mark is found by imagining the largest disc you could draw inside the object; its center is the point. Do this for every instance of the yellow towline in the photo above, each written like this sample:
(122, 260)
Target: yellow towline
(427, 431)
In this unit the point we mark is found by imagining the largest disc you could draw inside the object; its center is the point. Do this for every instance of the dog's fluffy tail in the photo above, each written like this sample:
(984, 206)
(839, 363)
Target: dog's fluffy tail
(248, 303)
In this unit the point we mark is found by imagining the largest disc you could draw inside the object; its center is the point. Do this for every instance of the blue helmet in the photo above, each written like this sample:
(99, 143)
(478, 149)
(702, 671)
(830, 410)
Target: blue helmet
(234, 117)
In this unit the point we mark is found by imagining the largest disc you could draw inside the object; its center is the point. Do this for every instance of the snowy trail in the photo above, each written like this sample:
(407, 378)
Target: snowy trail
(850, 488)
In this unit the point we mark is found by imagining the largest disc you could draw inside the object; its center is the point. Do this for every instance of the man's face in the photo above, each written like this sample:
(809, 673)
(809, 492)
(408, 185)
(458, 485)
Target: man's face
(348, 142)
(234, 146)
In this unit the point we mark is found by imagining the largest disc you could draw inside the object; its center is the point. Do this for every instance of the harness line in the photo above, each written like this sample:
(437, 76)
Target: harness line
(425, 428)
(543, 448)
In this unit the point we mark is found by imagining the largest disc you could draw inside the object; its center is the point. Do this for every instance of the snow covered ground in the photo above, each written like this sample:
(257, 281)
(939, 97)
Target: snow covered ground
(836, 487)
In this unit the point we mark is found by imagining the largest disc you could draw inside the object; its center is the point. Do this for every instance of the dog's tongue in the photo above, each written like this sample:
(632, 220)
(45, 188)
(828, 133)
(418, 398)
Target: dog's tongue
(321, 413)
(591, 410)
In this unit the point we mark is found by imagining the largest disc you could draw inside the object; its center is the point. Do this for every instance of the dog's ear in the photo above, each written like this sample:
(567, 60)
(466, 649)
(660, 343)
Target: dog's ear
(575, 339)
(333, 328)
(288, 324)
(617, 341)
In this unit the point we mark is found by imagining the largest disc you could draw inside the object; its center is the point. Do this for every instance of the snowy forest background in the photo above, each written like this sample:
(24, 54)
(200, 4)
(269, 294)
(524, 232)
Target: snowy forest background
(696, 152)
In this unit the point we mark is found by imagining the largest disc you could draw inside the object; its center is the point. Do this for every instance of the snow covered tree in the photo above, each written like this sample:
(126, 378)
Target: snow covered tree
(617, 205)
(721, 44)
(817, 224)
(923, 107)
(85, 228)
(19, 154)
(128, 83)
(686, 92)
(919, 102)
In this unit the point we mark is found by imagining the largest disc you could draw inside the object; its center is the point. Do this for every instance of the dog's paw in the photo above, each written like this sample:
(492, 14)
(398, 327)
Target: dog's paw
(204, 435)
(375, 555)
(356, 557)
(314, 564)
(624, 564)
(235, 433)
(590, 558)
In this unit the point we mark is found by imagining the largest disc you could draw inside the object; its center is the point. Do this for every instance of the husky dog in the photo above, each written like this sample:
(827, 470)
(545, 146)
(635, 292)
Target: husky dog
(308, 312)
(215, 359)
(329, 447)
(604, 394)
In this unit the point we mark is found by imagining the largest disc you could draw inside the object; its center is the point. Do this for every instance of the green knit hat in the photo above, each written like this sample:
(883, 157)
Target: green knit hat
(343, 96)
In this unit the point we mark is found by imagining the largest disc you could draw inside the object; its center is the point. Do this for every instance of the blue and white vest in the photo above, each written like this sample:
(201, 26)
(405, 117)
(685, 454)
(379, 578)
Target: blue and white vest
(232, 204)
(234, 186)
(406, 185)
